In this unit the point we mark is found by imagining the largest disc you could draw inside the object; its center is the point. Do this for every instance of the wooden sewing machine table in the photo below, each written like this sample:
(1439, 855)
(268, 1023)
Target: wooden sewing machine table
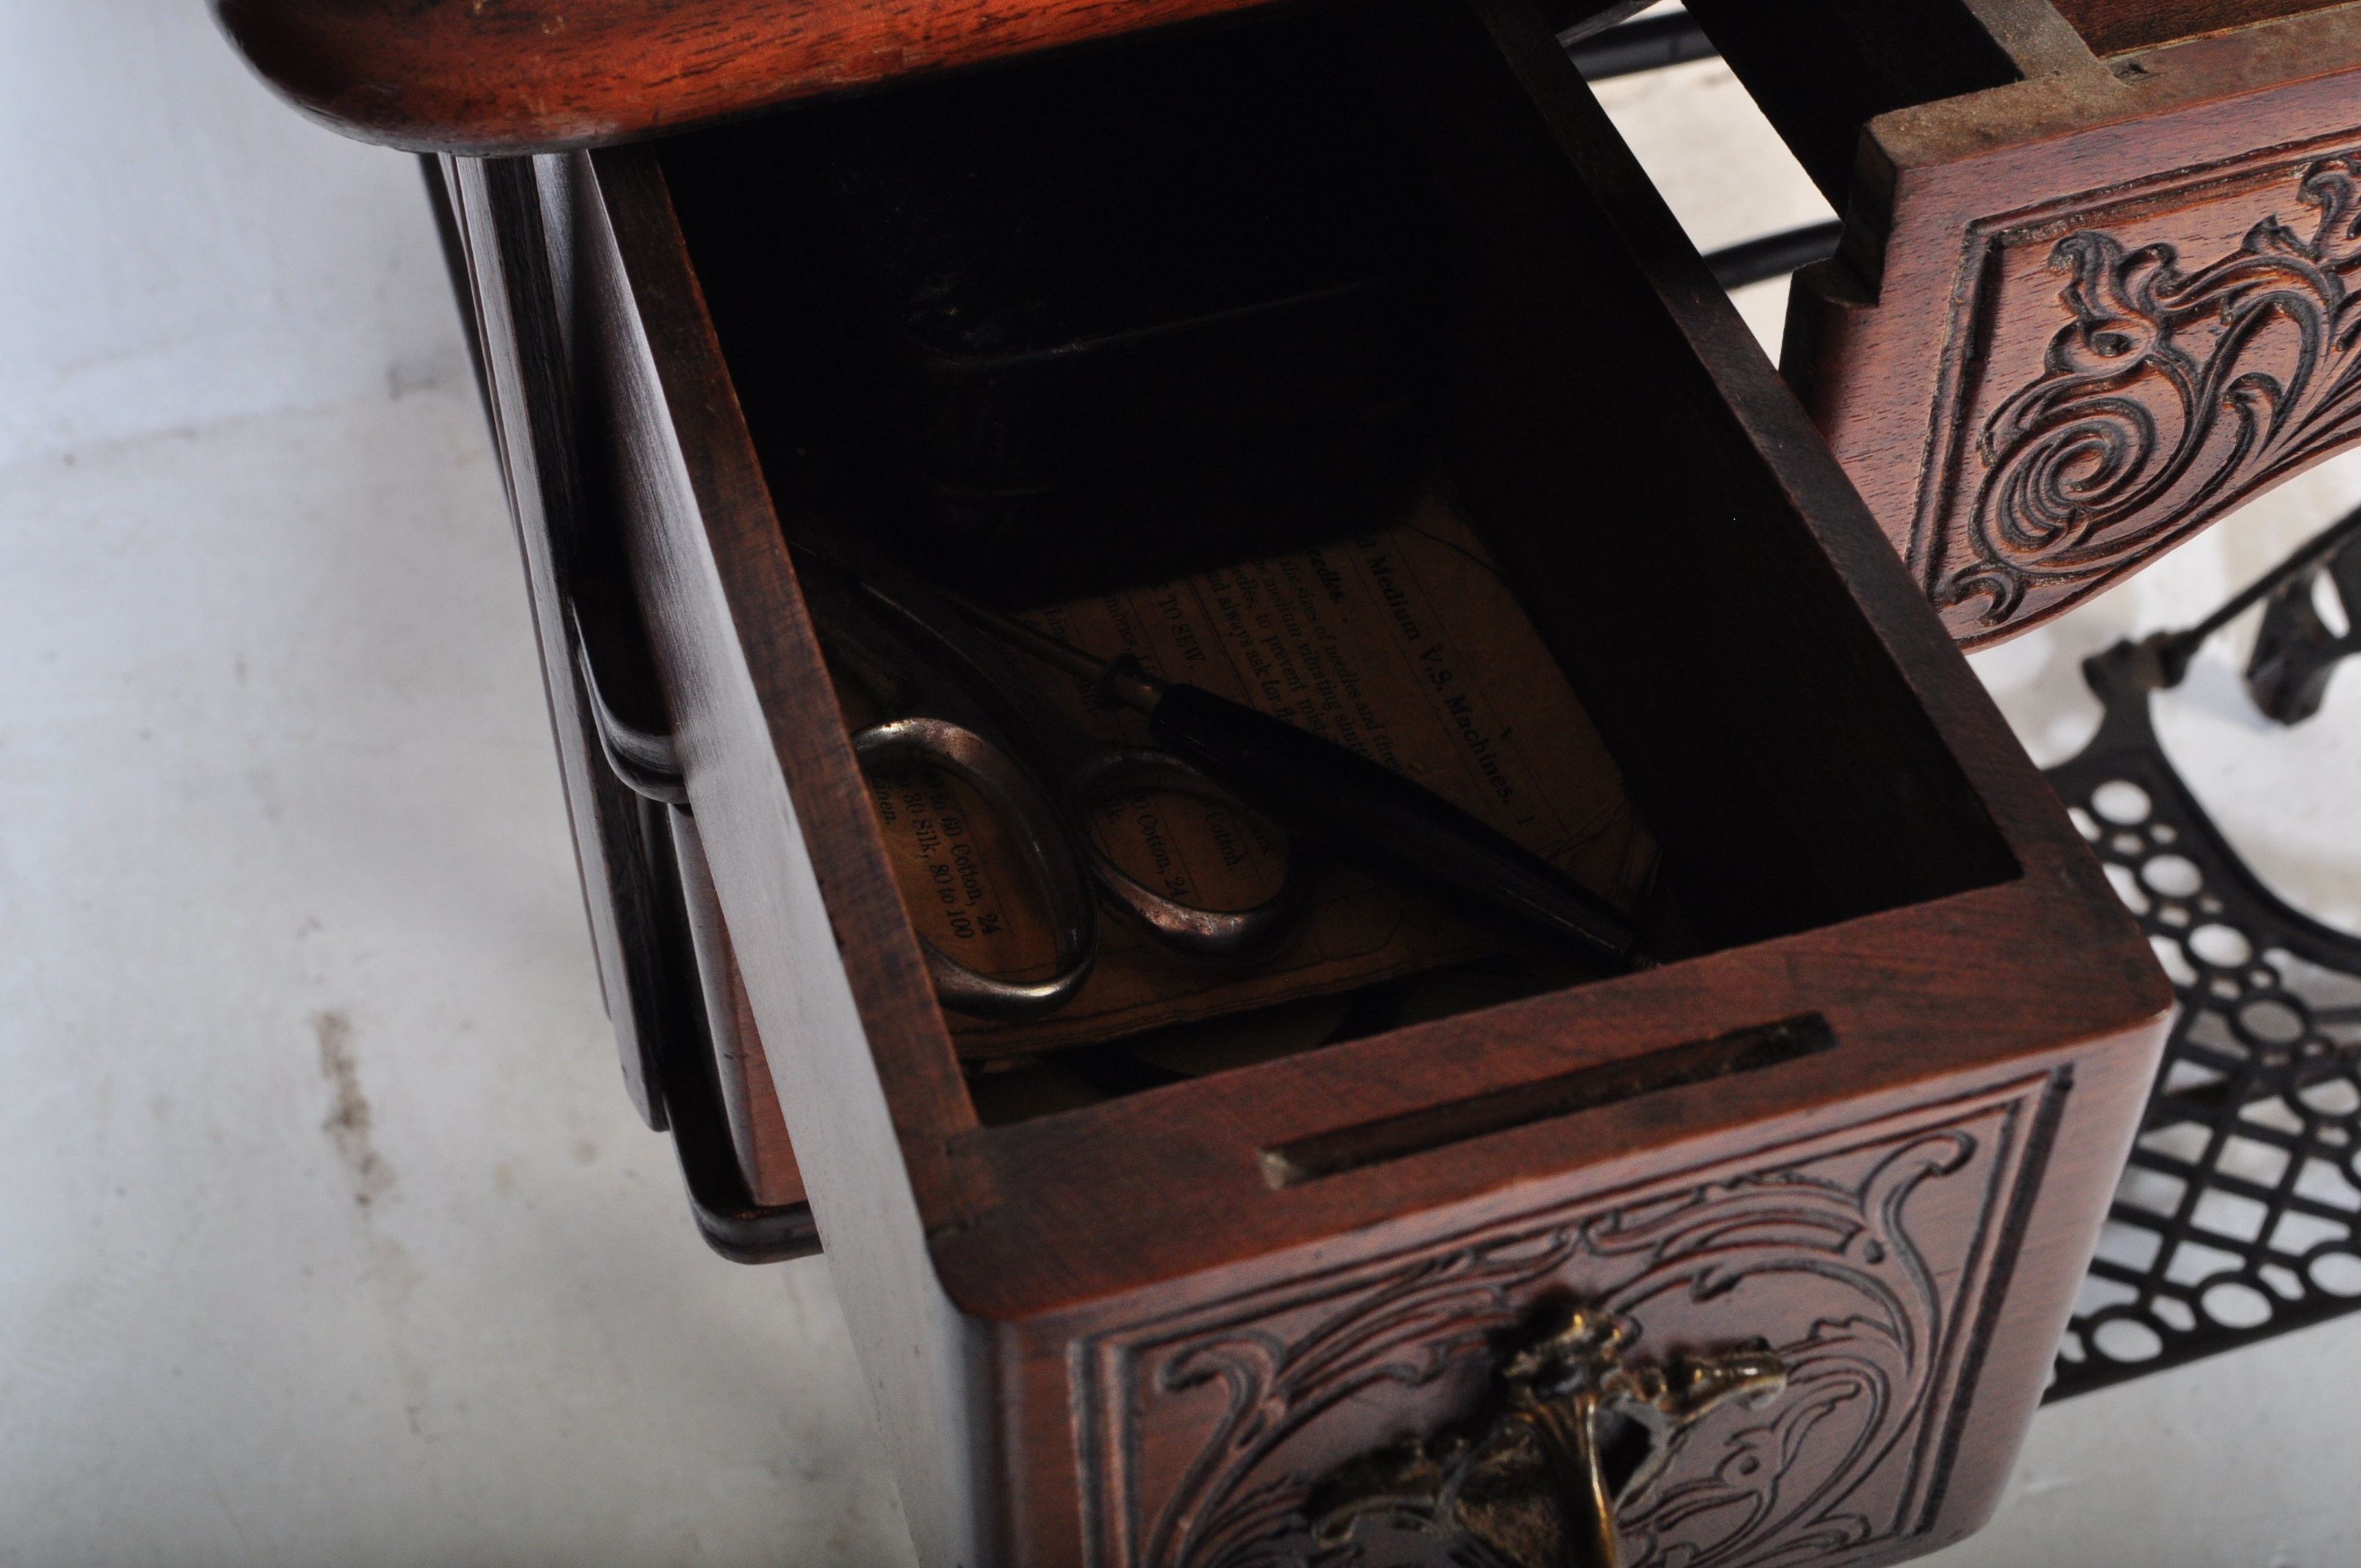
(1757, 1255)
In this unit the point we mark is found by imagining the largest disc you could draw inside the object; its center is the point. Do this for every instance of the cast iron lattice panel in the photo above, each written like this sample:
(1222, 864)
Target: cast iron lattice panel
(2239, 1216)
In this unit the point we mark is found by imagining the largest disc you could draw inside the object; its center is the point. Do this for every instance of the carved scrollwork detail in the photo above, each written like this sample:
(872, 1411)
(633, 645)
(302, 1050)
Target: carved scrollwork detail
(1821, 1254)
(1530, 1485)
(1406, 1332)
(2170, 396)
(1857, 1380)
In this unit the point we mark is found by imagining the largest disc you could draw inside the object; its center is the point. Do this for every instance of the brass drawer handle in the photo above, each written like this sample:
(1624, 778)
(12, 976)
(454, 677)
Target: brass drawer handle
(1528, 1488)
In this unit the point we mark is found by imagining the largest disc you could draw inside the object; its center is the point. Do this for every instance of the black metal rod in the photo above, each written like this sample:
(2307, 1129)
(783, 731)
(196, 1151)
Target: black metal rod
(1650, 44)
(2175, 649)
(1653, 43)
(1363, 809)
(1773, 255)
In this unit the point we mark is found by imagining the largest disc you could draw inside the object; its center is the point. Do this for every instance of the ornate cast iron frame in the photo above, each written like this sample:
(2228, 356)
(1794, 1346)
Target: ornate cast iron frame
(2239, 1216)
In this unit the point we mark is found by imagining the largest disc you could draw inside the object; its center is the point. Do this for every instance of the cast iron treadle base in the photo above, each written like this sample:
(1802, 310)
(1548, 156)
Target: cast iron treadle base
(2240, 1215)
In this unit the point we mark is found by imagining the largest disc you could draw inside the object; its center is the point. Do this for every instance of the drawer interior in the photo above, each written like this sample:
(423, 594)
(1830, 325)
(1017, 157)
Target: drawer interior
(1369, 277)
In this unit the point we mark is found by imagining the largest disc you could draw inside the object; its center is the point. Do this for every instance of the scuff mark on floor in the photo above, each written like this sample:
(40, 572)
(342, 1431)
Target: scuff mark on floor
(348, 1125)
(391, 1270)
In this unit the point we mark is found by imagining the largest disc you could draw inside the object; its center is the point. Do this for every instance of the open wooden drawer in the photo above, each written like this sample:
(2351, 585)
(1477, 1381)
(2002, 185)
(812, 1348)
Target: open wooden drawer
(1870, 1113)
(2096, 256)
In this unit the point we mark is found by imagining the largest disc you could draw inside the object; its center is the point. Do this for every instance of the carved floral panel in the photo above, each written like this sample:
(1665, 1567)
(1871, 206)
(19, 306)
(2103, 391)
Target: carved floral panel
(2126, 366)
(1863, 1257)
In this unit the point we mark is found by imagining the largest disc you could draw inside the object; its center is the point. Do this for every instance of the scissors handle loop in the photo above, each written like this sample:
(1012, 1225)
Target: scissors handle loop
(1220, 935)
(1038, 831)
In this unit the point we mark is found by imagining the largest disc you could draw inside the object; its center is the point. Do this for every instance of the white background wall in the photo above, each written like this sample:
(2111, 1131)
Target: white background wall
(326, 1235)
(178, 248)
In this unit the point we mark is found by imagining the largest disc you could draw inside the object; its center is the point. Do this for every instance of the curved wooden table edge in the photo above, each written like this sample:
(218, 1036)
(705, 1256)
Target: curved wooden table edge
(489, 78)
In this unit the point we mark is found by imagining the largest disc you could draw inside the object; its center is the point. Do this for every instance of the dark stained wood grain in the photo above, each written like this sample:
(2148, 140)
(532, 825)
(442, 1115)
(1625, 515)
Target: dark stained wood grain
(869, 1088)
(488, 77)
(632, 882)
(526, 400)
(2120, 27)
(758, 1128)
(1846, 821)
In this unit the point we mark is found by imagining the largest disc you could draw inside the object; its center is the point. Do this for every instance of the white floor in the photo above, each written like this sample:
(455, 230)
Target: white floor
(326, 1235)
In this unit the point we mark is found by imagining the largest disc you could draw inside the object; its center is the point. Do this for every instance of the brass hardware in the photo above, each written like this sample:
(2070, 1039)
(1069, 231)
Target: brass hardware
(1528, 1488)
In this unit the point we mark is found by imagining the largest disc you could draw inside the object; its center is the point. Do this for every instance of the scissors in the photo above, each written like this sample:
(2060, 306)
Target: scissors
(962, 706)
(1357, 807)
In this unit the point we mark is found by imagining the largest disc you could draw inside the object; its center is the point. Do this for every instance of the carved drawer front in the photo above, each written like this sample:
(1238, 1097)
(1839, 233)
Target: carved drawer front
(1868, 1258)
(2093, 292)
(2138, 362)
